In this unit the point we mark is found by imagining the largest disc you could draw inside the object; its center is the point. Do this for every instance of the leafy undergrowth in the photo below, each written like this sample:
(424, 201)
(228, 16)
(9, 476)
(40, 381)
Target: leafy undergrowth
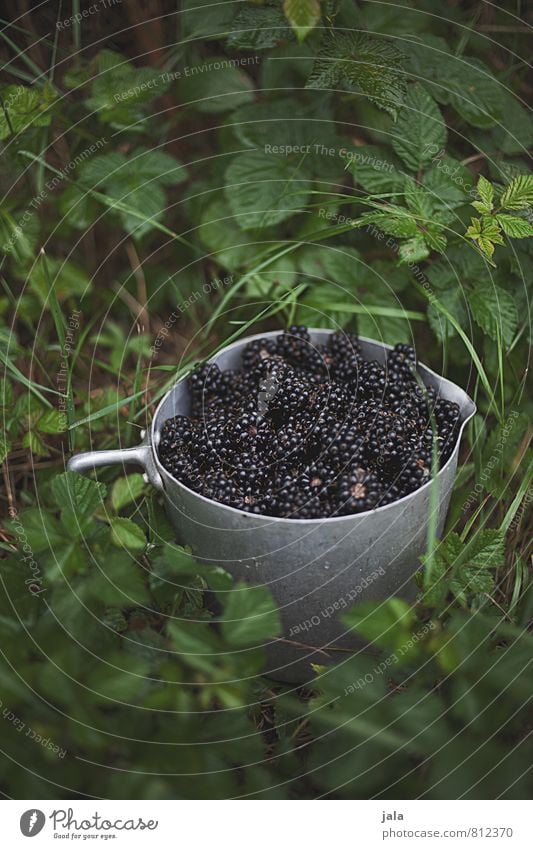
(341, 164)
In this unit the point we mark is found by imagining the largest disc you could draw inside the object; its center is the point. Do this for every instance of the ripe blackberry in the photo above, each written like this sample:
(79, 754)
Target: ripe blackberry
(415, 473)
(401, 362)
(294, 345)
(358, 491)
(255, 352)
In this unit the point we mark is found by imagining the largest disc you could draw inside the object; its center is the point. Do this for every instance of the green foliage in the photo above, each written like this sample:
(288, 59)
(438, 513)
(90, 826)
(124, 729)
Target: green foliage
(303, 16)
(487, 230)
(360, 62)
(420, 131)
(338, 164)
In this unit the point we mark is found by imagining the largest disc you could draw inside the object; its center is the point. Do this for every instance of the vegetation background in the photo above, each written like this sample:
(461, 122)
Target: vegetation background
(173, 176)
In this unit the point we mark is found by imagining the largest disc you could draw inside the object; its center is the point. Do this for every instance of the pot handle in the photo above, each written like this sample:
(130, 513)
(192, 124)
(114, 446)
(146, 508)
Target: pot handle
(140, 455)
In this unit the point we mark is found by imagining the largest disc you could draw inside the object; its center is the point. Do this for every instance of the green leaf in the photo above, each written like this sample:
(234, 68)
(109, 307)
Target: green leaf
(489, 549)
(303, 16)
(263, 190)
(67, 279)
(221, 234)
(176, 565)
(448, 181)
(519, 193)
(513, 226)
(363, 63)
(43, 531)
(332, 264)
(24, 107)
(514, 133)
(397, 222)
(376, 169)
(197, 22)
(485, 191)
(120, 90)
(486, 233)
(259, 28)
(250, 616)
(470, 580)
(453, 300)
(215, 86)
(78, 494)
(126, 534)
(117, 581)
(195, 642)
(135, 182)
(420, 131)
(473, 91)
(33, 441)
(120, 678)
(387, 623)
(494, 310)
(125, 490)
(53, 421)
(413, 250)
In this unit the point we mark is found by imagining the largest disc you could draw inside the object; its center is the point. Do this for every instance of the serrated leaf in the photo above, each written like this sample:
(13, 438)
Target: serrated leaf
(250, 616)
(135, 182)
(259, 29)
(397, 222)
(519, 193)
(513, 226)
(303, 16)
(197, 23)
(125, 490)
(485, 191)
(263, 190)
(413, 250)
(471, 580)
(52, 421)
(79, 494)
(375, 169)
(453, 300)
(368, 64)
(486, 233)
(33, 441)
(126, 534)
(494, 310)
(420, 130)
(24, 107)
(448, 181)
(473, 92)
(489, 549)
(117, 581)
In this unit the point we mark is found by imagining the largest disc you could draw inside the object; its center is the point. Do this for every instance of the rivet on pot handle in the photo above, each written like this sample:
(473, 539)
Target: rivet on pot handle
(139, 455)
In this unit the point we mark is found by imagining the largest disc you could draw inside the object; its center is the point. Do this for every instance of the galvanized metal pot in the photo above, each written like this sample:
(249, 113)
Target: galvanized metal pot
(314, 568)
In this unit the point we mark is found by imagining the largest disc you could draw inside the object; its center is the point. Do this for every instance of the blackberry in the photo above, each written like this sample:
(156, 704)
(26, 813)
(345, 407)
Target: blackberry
(256, 352)
(309, 432)
(401, 362)
(358, 491)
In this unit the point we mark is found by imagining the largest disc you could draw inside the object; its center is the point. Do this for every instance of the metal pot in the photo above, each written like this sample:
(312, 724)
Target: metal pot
(314, 568)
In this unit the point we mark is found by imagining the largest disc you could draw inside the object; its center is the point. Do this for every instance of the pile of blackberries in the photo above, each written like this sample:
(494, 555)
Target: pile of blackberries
(309, 431)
